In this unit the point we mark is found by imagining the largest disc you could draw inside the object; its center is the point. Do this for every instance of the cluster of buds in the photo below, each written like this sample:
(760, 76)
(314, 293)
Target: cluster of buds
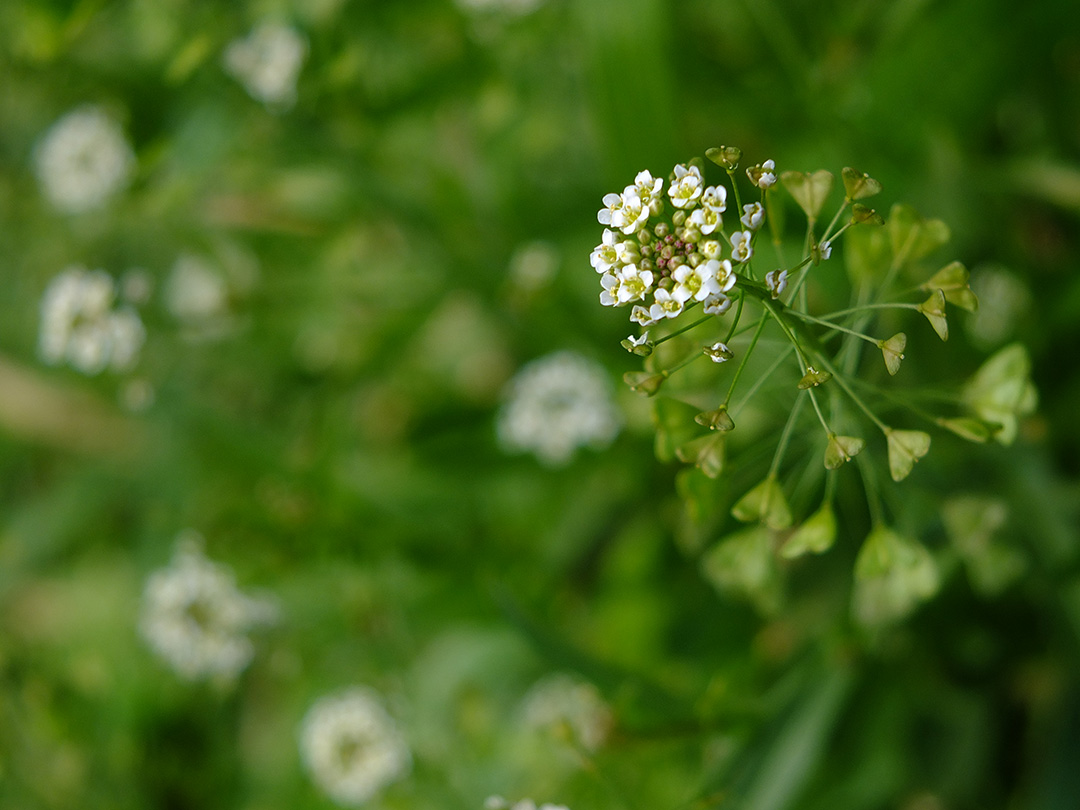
(666, 249)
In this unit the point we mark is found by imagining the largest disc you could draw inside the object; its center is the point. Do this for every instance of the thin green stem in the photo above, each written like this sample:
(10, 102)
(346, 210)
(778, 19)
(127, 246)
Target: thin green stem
(745, 357)
(817, 408)
(836, 327)
(780, 358)
(836, 217)
(774, 228)
(735, 189)
(781, 446)
(853, 396)
(735, 321)
(683, 329)
(863, 308)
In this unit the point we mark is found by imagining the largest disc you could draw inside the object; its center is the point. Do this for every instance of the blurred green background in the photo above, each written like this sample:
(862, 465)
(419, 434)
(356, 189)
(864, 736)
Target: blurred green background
(387, 250)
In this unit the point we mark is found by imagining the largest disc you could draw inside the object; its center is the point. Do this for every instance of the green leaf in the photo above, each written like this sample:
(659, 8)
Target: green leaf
(809, 190)
(859, 185)
(905, 448)
(816, 535)
(765, 503)
(913, 237)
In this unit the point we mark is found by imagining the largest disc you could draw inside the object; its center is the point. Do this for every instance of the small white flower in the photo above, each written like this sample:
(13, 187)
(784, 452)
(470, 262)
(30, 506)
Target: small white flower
(267, 62)
(609, 295)
(696, 283)
(556, 404)
(81, 327)
(499, 803)
(753, 216)
(717, 304)
(634, 283)
(640, 315)
(632, 215)
(195, 618)
(351, 747)
(561, 702)
(605, 256)
(194, 292)
(710, 249)
(83, 160)
(665, 306)
(647, 187)
(628, 252)
(638, 341)
(763, 175)
(686, 189)
(722, 272)
(715, 198)
(707, 220)
(776, 281)
(825, 250)
(740, 246)
(719, 352)
(612, 206)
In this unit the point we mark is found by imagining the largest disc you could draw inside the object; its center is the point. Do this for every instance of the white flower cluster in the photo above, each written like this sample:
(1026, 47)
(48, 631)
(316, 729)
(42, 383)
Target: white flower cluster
(352, 747)
(561, 703)
(81, 326)
(196, 619)
(556, 404)
(499, 803)
(267, 62)
(662, 269)
(83, 160)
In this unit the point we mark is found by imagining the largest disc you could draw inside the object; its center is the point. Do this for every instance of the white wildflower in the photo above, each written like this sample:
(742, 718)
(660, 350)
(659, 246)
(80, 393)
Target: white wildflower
(685, 190)
(640, 315)
(533, 266)
(763, 175)
(753, 215)
(825, 250)
(605, 256)
(715, 198)
(508, 7)
(706, 219)
(696, 283)
(722, 272)
(710, 249)
(634, 283)
(776, 282)
(665, 305)
(607, 215)
(352, 747)
(499, 803)
(568, 707)
(83, 160)
(609, 294)
(719, 352)
(638, 341)
(556, 404)
(647, 187)
(196, 619)
(195, 293)
(632, 214)
(717, 304)
(81, 326)
(740, 246)
(267, 62)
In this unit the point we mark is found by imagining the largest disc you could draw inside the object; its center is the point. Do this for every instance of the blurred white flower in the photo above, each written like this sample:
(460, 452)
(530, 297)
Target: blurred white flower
(351, 747)
(499, 803)
(80, 325)
(196, 619)
(194, 292)
(556, 404)
(566, 706)
(83, 160)
(513, 7)
(534, 266)
(267, 62)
